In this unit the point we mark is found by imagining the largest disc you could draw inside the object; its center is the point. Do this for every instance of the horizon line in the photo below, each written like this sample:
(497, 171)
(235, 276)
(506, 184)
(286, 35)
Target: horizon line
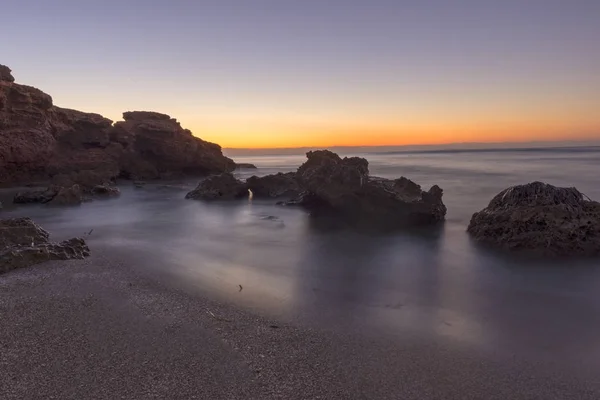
(581, 142)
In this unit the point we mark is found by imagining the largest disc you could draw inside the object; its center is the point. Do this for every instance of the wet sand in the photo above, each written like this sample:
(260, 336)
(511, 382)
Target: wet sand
(105, 328)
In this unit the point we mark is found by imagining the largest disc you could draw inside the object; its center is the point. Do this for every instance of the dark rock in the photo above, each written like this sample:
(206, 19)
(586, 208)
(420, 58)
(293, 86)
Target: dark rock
(156, 144)
(105, 190)
(139, 184)
(39, 140)
(245, 165)
(306, 200)
(541, 219)
(68, 196)
(145, 116)
(277, 185)
(21, 232)
(219, 187)
(80, 130)
(24, 243)
(332, 178)
(36, 196)
(26, 139)
(5, 74)
(87, 179)
(343, 186)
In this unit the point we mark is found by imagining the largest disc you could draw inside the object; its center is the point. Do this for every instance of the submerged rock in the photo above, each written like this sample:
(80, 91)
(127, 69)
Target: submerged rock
(277, 185)
(343, 186)
(24, 243)
(541, 219)
(219, 187)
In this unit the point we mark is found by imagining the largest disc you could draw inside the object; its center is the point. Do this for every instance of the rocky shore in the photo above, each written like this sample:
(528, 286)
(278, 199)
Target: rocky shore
(40, 141)
(80, 155)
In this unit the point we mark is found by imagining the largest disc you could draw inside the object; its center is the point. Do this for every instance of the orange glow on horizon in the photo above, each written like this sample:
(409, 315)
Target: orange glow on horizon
(262, 128)
(358, 137)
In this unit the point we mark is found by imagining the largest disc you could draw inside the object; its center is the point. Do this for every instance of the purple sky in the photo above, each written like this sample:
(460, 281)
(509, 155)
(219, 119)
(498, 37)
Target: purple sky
(252, 71)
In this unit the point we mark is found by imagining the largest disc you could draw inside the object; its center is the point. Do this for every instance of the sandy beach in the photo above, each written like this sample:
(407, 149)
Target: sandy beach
(104, 328)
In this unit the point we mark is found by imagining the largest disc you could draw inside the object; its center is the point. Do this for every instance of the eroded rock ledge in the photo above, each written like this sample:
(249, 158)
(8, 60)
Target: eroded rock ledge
(24, 243)
(540, 219)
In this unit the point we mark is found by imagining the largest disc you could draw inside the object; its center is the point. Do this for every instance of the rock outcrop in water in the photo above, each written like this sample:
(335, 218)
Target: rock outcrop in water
(24, 243)
(219, 187)
(540, 219)
(343, 186)
(274, 186)
(67, 193)
(331, 186)
(40, 141)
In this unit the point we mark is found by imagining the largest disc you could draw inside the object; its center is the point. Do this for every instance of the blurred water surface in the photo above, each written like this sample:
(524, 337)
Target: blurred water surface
(434, 283)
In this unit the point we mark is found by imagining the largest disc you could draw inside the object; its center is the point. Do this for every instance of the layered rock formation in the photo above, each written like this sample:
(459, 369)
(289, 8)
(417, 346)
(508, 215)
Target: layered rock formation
(24, 243)
(155, 145)
(39, 141)
(541, 219)
(331, 186)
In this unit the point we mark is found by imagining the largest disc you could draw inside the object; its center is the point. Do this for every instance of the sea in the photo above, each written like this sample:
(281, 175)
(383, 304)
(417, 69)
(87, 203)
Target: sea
(433, 283)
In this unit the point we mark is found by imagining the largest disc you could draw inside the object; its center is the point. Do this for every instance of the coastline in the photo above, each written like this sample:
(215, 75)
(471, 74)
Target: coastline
(105, 327)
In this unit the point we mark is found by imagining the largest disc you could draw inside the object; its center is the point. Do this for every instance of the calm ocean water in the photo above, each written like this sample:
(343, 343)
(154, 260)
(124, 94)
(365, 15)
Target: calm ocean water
(432, 283)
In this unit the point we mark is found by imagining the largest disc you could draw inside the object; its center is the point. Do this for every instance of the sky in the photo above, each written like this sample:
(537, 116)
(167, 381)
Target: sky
(291, 73)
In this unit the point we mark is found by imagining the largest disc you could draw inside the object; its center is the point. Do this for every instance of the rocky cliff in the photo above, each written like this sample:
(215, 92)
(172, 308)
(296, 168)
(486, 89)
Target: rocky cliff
(39, 141)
